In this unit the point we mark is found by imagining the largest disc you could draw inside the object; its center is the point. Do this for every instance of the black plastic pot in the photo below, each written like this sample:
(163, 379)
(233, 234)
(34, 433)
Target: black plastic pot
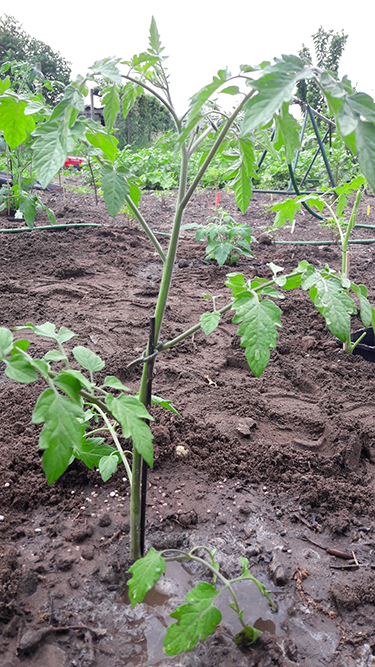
(366, 348)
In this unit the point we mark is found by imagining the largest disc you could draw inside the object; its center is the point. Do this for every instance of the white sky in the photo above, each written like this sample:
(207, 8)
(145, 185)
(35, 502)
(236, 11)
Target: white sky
(200, 36)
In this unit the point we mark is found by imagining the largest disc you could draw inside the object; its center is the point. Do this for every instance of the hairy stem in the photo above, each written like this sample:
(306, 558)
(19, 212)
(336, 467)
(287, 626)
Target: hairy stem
(117, 443)
(145, 227)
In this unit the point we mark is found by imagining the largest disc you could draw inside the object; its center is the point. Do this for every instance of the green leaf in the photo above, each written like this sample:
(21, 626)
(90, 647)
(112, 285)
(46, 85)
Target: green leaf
(64, 335)
(364, 105)
(287, 134)
(107, 67)
(92, 450)
(99, 138)
(130, 413)
(80, 377)
(275, 87)
(285, 210)
(108, 465)
(20, 369)
(112, 381)
(130, 93)
(332, 301)
(27, 206)
(13, 121)
(236, 282)
(247, 636)
(220, 251)
(115, 187)
(154, 38)
(61, 432)
(6, 342)
(48, 153)
(365, 142)
(111, 101)
(231, 90)
(69, 385)
(195, 620)
(48, 330)
(88, 359)
(146, 572)
(19, 345)
(54, 355)
(209, 322)
(365, 306)
(42, 406)
(259, 320)
(205, 93)
(164, 403)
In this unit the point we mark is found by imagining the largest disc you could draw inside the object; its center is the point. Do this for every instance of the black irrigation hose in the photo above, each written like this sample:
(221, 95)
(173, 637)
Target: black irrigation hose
(51, 227)
(306, 206)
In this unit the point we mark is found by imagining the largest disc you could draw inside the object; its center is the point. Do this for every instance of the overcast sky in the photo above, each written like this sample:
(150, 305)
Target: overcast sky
(200, 36)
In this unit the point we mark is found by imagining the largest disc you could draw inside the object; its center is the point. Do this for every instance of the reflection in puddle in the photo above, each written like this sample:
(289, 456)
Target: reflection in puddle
(265, 626)
(170, 592)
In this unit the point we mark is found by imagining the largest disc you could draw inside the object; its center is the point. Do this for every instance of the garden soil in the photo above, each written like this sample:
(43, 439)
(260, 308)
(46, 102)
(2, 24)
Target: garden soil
(278, 469)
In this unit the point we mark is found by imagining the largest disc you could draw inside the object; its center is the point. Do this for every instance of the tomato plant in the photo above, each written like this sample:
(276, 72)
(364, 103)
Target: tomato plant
(264, 93)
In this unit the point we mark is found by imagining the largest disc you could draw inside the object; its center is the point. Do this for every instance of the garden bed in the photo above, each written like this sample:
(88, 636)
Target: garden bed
(275, 466)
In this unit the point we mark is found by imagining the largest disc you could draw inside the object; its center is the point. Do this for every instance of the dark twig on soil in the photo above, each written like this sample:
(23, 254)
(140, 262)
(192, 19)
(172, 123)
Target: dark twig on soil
(329, 550)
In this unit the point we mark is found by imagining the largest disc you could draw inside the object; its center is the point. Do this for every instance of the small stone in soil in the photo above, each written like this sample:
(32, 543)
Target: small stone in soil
(88, 552)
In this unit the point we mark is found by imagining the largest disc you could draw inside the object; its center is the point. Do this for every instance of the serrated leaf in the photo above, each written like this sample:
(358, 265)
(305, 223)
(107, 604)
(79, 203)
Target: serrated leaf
(146, 572)
(49, 154)
(220, 251)
(42, 406)
(164, 403)
(365, 142)
(92, 450)
(236, 282)
(6, 341)
(209, 322)
(99, 138)
(111, 101)
(275, 87)
(88, 359)
(332, 301)
(285, 211)
(195, 620)
(287, 134)
(20, 369)
(259, 320)
(61, 431)
(154, 38)
(13, 121)
(27, 206)
(114, 383)
(365, 306)
(130, 413)
(69, 385)
(115, 188)
(231, 90)
(107, 67)
(107, 466)
(80, 377)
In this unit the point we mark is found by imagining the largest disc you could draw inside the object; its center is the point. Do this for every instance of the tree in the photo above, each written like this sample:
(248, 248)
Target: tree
(16, 45)
(329, 47)
(145, 120)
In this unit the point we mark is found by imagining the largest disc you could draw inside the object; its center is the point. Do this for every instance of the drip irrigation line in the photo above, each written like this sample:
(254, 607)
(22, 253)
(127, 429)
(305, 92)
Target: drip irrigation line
(323, 242)
(286, 193)
(365, 226)
(51, 227)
